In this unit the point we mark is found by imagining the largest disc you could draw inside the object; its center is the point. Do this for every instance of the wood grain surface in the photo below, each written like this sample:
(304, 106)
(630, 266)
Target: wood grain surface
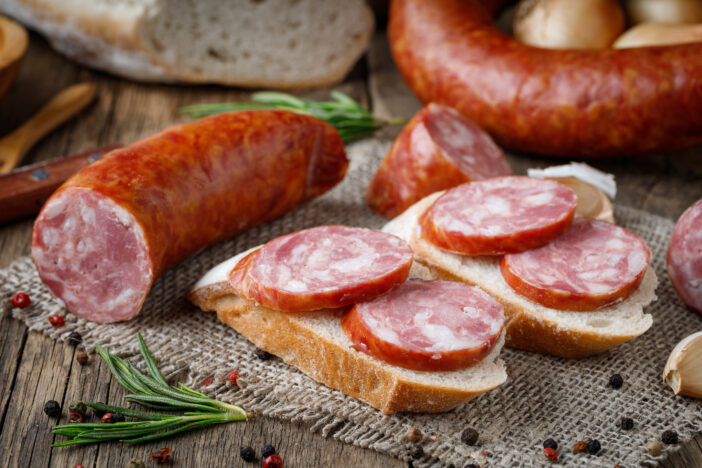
(34, 369)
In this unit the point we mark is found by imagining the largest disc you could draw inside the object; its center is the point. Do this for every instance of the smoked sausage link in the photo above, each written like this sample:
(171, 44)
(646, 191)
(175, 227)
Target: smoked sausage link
(685, 257)
(109, 231)
(438, 149)
(555, 102)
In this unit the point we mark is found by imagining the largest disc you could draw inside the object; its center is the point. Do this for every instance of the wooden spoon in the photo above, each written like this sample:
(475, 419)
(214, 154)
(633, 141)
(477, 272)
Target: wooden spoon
(13, 46)
(62, 107)
(592, 202)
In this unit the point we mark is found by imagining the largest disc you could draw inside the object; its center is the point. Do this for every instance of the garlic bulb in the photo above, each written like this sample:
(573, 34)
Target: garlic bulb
(568, 24)
(683, 371)
(658, 34)
(664, 11)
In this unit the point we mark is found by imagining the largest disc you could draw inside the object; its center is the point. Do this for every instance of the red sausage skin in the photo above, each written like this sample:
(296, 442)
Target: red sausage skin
(105, 235)
(438, 149)
(564, 103)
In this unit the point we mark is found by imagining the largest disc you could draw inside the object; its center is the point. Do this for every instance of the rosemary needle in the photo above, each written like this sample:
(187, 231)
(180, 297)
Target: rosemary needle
(351, 119)
(151, 391)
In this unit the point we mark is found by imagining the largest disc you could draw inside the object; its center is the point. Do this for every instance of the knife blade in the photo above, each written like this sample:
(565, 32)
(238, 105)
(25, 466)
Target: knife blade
(24, 190)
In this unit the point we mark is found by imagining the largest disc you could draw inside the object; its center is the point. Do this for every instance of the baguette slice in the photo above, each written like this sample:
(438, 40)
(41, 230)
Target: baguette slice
(315, 343)
(253, 43)
(531, 326)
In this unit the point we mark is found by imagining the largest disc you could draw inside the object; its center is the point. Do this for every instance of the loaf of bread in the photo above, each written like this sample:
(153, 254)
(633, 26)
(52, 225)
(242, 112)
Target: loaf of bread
(529, 325)
(251, 43)
(315, 343)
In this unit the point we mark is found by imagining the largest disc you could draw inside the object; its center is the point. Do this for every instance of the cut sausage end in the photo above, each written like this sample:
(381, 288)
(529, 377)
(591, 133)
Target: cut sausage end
(685, 257)
(92, 255)
(427, 325)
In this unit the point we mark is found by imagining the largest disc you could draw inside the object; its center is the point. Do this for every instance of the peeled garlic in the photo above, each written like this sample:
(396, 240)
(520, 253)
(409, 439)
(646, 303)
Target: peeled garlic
(658, 34)
(568, 24)
(683, 371)
(664, 11)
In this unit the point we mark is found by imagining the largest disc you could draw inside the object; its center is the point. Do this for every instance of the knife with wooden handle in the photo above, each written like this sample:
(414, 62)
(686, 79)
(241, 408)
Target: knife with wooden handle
(24, 190)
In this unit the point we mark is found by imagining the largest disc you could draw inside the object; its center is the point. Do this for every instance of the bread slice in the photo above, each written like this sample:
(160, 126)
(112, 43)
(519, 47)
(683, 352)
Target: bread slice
(254, 43)
(531, 326)
(315, 343)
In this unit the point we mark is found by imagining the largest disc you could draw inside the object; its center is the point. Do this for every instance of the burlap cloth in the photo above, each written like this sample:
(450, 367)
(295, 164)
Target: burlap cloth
(543, 397)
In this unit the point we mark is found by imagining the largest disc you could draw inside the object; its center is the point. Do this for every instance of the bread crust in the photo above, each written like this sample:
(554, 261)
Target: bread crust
(340, 367)
(111, 39)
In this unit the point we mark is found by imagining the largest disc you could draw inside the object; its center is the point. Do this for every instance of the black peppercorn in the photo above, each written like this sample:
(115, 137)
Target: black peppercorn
(74, 338)
(247, 454)
(472, 465)
(470, 436)
(616, 381)
(626, 423)
(267, 451)
(593, 446)
(117, 417)
(99, 413)
(417, 452)
(550, 443)
(263, 355)
(78, 407)
(669, 437)
(82, 358)
(52, 408)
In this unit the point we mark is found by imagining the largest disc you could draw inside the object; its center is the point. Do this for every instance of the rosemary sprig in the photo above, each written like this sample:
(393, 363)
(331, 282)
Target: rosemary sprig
(351, 119)
(151, 391)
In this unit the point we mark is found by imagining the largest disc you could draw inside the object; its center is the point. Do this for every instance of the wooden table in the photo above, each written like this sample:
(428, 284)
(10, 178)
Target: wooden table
(34, 369)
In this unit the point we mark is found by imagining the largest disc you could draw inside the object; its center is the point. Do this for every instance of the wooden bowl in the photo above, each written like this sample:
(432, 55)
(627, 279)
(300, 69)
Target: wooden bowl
(13, 46)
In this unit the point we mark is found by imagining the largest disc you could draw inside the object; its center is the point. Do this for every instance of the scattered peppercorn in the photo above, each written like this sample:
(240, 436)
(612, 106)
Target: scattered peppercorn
(21, 300)
(414, 435)
(616, 381)
(112, 418)
(99, 413)
(654, 448)
(82, 358)
(580, 446)
(550, 443)
(247, 454)
(136, 463)
(551, 454)
(75, 418)
(263, 355)
(472, 465)
(593, 446)
(161, 456)
(470, 436)
(207, 382)
(52, 408)
(78, 407)
(626, 423)
(74, 338)
(669, 437)
(267, 451)
(417, 452)
(233, 377)
(273, 461)
(57, 321)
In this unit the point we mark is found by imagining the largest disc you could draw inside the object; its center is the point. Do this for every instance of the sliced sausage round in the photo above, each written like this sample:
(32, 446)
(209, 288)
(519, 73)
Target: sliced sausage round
(427, 325)
(594, 264)
(322, 267)
(500, 215)
(685, 257)
(438, 149)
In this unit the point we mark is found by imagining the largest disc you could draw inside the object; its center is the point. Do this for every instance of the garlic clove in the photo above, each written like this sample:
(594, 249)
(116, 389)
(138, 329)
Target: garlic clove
(658, 34)
(683, 371)
(663, 11)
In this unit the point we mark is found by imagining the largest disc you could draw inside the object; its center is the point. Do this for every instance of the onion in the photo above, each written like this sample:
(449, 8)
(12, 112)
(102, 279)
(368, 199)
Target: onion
(658, 34)
(664, 11)
(568, 24)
